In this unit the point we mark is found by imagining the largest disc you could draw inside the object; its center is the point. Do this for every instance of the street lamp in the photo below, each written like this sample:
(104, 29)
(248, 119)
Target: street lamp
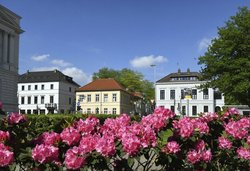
(153, 66)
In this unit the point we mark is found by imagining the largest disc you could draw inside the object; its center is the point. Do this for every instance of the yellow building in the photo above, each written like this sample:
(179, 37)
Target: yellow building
(104, 96)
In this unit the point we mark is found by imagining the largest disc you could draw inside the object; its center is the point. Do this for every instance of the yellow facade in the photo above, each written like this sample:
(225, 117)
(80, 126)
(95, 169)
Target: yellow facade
(104, 102)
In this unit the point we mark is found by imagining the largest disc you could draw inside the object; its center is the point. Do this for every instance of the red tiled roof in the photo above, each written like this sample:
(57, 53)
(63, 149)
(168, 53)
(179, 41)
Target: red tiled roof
(102, 84)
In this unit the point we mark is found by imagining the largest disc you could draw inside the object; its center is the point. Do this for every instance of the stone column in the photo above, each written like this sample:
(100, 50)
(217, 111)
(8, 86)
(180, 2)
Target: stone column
(5, 47)
(1, 47)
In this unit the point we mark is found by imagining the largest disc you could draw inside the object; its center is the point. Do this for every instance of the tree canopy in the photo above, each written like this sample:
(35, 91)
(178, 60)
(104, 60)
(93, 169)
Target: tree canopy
(132, 80)
(227, 60)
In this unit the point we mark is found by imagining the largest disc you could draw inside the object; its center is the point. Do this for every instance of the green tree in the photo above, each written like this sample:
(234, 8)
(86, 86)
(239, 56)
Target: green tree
(131, 80)
(227, 60)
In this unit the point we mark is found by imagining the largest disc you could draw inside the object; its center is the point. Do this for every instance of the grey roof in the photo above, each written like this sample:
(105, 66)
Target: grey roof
(169, 77)
(45, 76)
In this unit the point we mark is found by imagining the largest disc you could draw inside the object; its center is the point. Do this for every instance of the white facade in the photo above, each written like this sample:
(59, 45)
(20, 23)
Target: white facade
(46, 97)
(9, 54)
(174, 95)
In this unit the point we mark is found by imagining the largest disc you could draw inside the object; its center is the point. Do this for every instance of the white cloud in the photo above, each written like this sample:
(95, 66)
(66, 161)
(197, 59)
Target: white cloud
(77, 74)
(39, 58)
(204, 43)
(146, 61)
(45, 68)
(60, 63)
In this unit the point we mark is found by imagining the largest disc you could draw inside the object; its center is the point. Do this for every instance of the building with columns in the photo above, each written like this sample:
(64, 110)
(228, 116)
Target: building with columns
(9, 53)
(180, 92)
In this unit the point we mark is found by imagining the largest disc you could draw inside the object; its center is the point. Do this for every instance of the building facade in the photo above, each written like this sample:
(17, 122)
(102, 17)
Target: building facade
(46, 92)
(104, 96)
(9, 53)
(180, 93)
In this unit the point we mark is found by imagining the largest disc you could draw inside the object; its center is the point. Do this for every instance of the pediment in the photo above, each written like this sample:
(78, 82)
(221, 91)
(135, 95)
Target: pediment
(10, 19)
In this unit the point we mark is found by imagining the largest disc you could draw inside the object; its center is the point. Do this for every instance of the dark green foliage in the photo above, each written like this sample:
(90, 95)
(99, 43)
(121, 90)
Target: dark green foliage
(227, 60)
(57, 122)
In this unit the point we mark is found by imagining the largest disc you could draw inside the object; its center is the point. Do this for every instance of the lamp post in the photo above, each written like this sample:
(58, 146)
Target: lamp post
(153, 66)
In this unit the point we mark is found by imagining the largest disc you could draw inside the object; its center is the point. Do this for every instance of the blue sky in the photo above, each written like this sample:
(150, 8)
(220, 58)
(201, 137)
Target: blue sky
(79, 37)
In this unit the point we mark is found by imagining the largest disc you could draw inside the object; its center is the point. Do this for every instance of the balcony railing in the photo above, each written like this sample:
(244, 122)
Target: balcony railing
(51, 105)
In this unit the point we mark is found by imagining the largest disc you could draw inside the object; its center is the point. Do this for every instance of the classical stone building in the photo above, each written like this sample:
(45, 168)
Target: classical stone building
(9, 53)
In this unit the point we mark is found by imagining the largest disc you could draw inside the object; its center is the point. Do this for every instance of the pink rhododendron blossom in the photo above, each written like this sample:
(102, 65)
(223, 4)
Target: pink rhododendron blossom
(166, 113)
(88, 125)
(206, 155)
(237, 129)
(200, 126)
(3, 147)
(4, 136)
(88, 142)
(193, 156)
(148, 137)
(172, 147)
(15, 118)
(45, 153)
(70, 136)
(131, 144)
(74, 159)
(224, 143)
(157, 122)
(106, 145)
(6, 156)
(243, 153)
(248, 140)
(200, 146)
(231, 111)
(208, 117)
(50, 138)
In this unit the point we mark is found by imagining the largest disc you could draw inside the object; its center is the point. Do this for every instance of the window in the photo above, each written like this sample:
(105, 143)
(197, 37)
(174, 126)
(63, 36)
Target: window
(42, 86)
(51, 99)
(35, 87)
(184, 110)
(88, 110)
(29, 99)
(51, 86)
(194, 110)
(22, 100)
(182, 94)
(29, 87)
(23, 87)
(172, 108)
(114, 98)
(172, 94)
(194, 94)
(105, 97)
(81, 98)
(105, 110)
(162, 94)
(35, 100)
(205, 94)
(205, 109)
(217, 95)
(70, 100)
(70, 89)
(42, 99)
(89, 98)
(97, 99)
(114, 111)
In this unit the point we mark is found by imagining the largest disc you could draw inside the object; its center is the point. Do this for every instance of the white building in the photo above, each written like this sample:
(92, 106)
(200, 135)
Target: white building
(46, 92)
(9, 54)
(179, 92)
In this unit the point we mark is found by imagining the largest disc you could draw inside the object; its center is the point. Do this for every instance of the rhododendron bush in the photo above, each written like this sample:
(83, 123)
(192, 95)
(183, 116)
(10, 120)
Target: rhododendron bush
(159, 141)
